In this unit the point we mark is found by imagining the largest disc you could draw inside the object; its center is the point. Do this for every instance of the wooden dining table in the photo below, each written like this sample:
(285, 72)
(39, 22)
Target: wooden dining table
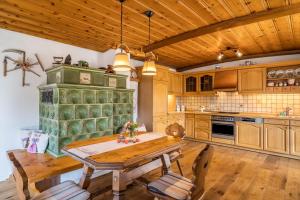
(127, 161)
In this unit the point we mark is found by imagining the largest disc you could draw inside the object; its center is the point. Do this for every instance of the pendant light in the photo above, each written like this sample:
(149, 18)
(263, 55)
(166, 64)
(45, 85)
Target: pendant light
(121, 61)
(149, 63)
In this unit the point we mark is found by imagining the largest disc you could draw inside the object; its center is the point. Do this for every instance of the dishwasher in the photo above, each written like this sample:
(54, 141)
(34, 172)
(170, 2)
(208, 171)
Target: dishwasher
(249, 132)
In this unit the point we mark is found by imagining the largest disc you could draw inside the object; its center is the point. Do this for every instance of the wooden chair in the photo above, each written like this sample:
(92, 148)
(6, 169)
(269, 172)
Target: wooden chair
(176, 130)
(174, 186)
(65, 190)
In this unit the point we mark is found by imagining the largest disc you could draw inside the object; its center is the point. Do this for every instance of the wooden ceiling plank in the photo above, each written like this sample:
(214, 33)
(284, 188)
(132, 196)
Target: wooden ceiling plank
(64, 40)
(45, 26)
(77, 22)
(45, 21)
(238, 21)
(34, 28)
(242, 58)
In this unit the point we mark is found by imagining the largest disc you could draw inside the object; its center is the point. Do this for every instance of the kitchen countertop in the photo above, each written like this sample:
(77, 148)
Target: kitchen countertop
(246, 114)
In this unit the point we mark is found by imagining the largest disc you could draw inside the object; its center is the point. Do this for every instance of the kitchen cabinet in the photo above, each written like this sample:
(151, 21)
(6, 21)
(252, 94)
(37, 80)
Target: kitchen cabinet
(153, 100)
(160, 98)
(276, 138)
(251, 80)
(162, 74)
(175, 84)
(295, 140)
(189, 125)
(202, 128)
(160, 124)
(190, 84)
(249, 135)
(176, 118)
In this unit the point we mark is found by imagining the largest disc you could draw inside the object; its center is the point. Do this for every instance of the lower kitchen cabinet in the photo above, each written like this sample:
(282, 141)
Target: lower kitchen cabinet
(202, 134)
(276, 138)
(160, 123)
(202, 127)
(249, 135)
(189, 125)
(176, 118)
(295, 140)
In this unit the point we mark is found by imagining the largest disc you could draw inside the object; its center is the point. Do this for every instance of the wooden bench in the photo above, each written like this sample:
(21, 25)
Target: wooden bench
(44, 171)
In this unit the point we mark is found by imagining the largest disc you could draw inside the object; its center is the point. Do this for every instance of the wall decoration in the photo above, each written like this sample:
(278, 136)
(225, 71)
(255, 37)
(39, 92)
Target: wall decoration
(110, 70)
(68, 60)
(112, 82)
(134, 75)
(22, 63)
(85, 78)
(57, 60)
(83, 64)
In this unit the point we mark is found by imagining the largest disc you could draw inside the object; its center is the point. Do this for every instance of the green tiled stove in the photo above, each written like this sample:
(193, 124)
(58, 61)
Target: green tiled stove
(78, 104)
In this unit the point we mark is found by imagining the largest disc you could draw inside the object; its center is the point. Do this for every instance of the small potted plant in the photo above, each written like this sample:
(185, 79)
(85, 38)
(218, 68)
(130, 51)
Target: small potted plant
(131, 127)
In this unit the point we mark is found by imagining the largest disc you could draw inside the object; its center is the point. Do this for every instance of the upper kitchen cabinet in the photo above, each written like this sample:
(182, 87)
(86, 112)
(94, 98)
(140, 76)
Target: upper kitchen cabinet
(206, 81)
(162, 74)
(251, 80)
(283, 79)
(190, 84)
(175, 84)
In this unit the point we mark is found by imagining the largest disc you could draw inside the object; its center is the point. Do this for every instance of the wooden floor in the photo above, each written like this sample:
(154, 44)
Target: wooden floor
(234, 174)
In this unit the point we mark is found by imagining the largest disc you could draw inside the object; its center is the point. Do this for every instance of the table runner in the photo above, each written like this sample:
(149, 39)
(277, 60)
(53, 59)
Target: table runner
(93, 149)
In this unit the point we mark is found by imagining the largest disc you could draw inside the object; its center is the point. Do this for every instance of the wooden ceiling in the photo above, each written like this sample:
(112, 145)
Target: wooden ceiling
(95, 24)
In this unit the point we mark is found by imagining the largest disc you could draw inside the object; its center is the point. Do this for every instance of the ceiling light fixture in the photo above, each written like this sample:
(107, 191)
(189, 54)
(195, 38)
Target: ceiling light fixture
(231, 50)
(238, 53)
(220, 56)
(121, 61)
(149, 63)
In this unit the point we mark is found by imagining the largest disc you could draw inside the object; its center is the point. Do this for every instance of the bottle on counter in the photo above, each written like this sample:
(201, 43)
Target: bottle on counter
(182, 108)
(178, 108)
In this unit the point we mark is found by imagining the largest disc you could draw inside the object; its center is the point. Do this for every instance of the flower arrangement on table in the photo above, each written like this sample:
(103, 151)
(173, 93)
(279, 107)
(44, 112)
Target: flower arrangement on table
(130, 127)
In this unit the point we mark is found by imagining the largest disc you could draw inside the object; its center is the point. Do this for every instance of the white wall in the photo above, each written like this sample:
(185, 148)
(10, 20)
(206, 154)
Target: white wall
(19, 105)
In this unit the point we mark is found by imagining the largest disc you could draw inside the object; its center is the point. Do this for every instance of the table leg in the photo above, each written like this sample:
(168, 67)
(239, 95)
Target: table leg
(119, 184)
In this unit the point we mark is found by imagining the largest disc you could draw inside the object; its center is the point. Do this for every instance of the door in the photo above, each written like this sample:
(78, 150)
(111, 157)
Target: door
(249, 135)
(251, 80)
(160, 98)
(295, 140)
(189, 126)
(276, 138)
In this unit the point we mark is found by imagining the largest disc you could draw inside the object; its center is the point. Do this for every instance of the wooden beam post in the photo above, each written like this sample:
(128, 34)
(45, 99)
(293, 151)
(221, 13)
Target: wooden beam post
(227, 24)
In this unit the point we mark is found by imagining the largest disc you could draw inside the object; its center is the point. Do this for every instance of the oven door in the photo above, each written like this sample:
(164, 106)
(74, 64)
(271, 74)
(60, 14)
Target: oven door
(224, 130)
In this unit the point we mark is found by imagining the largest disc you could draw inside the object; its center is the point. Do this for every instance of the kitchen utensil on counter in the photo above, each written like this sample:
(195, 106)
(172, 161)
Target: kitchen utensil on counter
(202, 108)
(182, 108)
(291, 81)
(290, 73)
(178, 108)
(271, 84)
(272, 74)
(280, 73)
(297, 72)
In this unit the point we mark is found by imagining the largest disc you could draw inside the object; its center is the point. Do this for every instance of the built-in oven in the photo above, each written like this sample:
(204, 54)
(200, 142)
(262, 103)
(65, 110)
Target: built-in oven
(223, 127)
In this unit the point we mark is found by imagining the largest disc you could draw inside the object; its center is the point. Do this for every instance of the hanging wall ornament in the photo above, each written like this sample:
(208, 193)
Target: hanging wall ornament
(21, 63)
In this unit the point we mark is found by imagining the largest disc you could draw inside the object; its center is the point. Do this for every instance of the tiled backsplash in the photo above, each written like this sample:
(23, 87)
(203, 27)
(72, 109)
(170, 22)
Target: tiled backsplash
(232, 101)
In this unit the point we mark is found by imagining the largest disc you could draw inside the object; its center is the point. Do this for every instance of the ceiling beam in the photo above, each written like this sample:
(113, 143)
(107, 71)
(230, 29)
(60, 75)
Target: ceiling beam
(227, 24)
(278, 53)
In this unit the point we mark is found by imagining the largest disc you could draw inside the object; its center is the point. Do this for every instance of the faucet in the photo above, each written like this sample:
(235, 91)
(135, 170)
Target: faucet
(287, 111)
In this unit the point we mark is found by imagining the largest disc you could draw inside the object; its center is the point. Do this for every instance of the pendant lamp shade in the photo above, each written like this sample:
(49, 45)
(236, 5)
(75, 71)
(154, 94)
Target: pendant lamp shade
(149, 68)
(121, 62)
